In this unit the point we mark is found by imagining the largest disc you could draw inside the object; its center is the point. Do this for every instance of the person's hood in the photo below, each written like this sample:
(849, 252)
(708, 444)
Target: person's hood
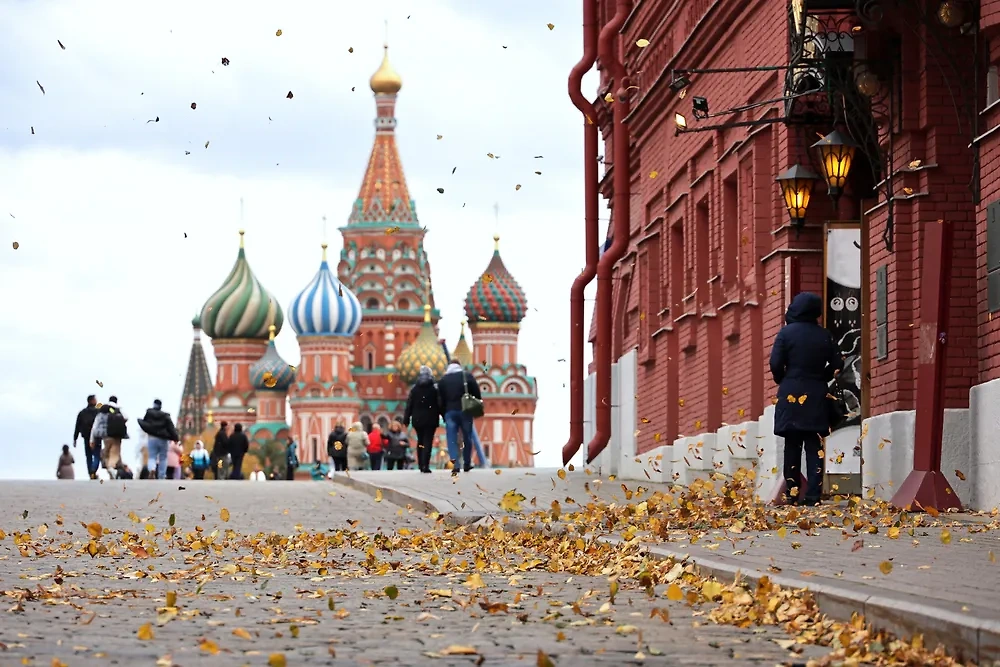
(358, 426)
(109, 406)
(339, 429)
(199, 445)
(453, 368)
(425, 376)
(157, 414)
(805, 307)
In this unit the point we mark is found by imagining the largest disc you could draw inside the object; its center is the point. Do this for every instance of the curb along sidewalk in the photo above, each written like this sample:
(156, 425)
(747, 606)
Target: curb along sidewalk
(950, 593)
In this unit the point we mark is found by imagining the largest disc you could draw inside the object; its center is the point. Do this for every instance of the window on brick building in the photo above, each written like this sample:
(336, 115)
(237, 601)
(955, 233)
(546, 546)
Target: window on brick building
(730, 231)
(992, 85)
(678, 273)
(702, 249)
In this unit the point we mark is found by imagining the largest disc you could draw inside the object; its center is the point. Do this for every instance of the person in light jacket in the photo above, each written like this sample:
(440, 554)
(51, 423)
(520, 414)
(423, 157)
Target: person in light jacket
(804, 358)
(175, 452)
(357, 446)
(200, 460)
(66, 463)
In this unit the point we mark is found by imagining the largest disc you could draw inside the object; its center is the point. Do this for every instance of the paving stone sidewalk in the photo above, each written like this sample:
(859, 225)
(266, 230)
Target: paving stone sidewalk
(947, 591)
(88, 611)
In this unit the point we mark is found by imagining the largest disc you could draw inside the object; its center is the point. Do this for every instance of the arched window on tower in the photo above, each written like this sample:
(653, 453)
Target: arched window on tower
(369, 358)
(372, 304)
(404, 304)
(366, 421)
(383, 422)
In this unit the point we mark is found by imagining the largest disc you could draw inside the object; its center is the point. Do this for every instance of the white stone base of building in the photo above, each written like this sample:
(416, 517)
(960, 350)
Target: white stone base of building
(971, 446)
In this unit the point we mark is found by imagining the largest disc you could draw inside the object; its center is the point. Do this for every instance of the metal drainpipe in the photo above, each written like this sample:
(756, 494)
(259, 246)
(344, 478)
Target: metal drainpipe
(593, 244)
(620, 208)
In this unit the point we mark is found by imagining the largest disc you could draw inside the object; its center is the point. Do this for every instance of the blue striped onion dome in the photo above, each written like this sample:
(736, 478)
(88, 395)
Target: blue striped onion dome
(241, 308)
(326, 307)
(271, 372)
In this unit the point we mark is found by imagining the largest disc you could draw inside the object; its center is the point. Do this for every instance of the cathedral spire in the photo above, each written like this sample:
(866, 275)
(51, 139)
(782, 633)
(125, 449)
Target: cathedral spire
(384, 197)
(192, 416)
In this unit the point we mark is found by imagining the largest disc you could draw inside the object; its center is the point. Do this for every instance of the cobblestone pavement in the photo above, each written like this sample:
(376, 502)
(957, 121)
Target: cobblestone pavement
(235, 605)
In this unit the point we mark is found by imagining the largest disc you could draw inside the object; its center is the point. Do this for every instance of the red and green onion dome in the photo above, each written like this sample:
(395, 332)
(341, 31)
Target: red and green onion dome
(426, 350)
(496, 296)
(271, 372)
(241, 308)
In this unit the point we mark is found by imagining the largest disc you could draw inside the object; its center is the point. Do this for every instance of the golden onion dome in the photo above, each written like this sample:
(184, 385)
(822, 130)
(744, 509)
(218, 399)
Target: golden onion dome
(426, 350)
(385, 80)
(462, 351)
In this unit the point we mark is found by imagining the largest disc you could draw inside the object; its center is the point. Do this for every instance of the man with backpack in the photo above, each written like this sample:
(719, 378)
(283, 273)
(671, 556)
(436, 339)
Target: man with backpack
(108, 432)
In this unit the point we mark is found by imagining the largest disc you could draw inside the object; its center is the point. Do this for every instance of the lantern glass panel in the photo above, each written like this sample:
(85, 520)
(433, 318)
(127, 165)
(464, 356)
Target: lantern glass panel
(797, 193)
(837, 161)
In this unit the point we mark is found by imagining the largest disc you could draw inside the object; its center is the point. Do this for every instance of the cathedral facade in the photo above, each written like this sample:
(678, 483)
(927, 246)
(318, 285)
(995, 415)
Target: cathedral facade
(363, 329)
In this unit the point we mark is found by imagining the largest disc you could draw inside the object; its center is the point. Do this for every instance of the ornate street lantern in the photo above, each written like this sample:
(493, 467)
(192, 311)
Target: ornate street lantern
(952, 13)
(836, 154)
(796, 188)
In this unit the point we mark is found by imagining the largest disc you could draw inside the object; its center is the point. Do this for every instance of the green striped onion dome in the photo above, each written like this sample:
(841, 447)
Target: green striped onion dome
(241, 308)
(496, 296)
(426, 350)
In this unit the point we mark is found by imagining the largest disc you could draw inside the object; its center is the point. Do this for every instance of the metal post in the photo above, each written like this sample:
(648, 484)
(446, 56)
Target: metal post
(926, 486)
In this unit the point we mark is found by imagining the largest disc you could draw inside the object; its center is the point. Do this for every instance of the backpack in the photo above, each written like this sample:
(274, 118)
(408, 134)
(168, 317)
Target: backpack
(116, 425)
(100, 428)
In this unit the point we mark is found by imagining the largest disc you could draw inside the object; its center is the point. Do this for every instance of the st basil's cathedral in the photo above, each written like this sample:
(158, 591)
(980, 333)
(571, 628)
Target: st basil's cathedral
(363, 331)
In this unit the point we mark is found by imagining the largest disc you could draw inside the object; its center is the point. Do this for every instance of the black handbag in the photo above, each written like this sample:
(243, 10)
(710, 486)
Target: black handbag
(471, 406)
(837, 411)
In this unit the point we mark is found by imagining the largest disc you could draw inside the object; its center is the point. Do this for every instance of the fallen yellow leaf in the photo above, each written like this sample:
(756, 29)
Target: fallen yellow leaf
(145, 632)
(224, 514)
(674, 593)
(885, 567)
(242, 634)
(276, 660)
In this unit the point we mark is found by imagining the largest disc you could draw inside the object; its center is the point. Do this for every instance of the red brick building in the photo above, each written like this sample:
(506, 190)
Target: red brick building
(726, 97)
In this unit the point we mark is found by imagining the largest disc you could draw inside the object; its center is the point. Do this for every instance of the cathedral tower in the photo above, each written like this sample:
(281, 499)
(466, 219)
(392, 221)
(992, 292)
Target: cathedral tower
(384, 263)
(237, 318)
(326, 315)
(495, 306)
(192, 416)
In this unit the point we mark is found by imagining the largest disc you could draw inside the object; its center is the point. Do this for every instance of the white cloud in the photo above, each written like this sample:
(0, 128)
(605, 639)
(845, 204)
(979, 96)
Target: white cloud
(104, 283)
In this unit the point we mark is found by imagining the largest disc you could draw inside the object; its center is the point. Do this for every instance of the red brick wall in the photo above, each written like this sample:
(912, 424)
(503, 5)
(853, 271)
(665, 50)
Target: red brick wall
(989, 169)
(704, 315)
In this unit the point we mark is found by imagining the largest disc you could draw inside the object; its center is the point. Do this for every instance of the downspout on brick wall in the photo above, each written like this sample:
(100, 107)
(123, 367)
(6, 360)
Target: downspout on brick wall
(592, 249)
(621, 181)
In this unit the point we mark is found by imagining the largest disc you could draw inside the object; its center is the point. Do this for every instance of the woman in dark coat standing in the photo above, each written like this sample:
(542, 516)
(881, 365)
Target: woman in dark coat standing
(804, 359)
(423, 411)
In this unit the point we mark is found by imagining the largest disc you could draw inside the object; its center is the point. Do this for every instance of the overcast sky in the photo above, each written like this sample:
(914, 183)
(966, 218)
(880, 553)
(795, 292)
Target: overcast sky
(123, 234)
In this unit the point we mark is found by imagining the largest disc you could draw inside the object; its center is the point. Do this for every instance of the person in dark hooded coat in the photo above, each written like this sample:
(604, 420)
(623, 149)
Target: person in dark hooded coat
(423, 411)
(804, 359)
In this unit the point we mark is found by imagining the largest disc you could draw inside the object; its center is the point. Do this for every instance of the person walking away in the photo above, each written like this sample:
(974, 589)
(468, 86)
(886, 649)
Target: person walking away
(66, 463)
(238, 447)
(175, 452)
(110, 428)
(291, 459)
(219, 450)
(423, 412)
(397, 443)
(804, 358)
(456, 384)
(159, 426)
(258, 474)
(84, 425)
(375, 447)
(200, 460)
(336, 447)
(357, 446)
